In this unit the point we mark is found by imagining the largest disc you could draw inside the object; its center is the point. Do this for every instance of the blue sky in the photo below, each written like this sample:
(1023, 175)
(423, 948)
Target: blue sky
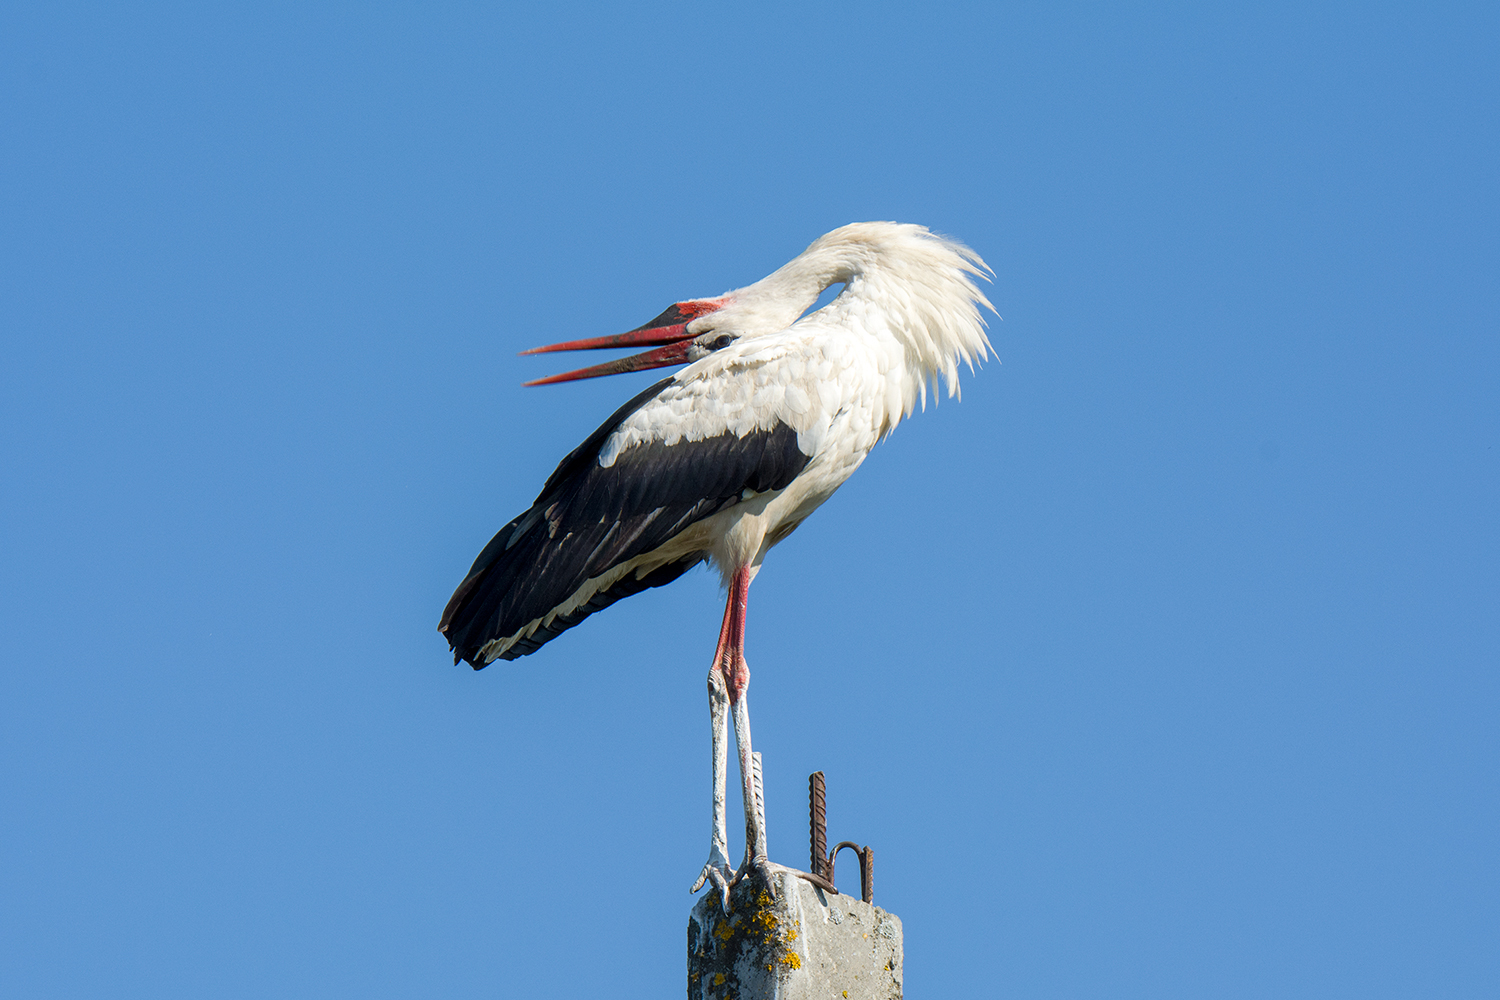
(1162, 665)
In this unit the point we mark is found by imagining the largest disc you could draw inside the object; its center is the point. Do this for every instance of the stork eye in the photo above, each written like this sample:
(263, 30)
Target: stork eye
(722, 341)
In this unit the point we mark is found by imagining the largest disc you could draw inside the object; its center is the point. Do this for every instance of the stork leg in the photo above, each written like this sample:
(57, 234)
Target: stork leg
(716, 870)
(737, 680)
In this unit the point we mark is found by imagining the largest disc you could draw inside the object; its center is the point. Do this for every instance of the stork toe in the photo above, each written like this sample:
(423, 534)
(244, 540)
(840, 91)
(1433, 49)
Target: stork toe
(717, 874)
(763, 869)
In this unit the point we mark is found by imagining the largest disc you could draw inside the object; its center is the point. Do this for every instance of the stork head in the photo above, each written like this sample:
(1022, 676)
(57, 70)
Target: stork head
(919, 283)
(684, 331)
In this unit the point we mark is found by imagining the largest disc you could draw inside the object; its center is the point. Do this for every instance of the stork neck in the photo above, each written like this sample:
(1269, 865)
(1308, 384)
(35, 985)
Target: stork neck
(788, 292)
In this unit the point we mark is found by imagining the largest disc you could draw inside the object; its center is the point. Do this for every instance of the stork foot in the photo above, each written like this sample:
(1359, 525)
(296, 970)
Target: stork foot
(716, 873)
(763, 870)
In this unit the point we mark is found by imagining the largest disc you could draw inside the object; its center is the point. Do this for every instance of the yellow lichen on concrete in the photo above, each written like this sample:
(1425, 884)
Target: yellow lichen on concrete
(766, 922)
(761, 947)
(765, 927)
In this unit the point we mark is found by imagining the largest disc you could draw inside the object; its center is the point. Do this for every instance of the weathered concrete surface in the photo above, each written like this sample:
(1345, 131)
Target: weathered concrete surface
(808, 945)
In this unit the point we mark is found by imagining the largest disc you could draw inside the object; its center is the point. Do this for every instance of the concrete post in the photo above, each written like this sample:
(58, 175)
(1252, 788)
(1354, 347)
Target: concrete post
(807, 945)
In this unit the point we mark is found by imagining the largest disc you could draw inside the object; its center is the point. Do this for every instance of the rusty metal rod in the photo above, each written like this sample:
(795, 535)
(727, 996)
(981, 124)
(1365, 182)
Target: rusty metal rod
(817, 804)
(822, 858)
(866, 867)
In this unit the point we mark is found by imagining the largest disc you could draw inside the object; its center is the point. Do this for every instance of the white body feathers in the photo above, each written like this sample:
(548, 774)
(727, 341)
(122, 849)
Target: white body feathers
(841, 378)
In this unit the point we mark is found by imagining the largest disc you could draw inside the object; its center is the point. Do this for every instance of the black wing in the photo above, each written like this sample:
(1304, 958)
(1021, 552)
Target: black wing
(589, 519)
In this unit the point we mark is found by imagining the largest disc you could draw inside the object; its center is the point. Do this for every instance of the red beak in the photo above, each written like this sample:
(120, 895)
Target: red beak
(670, 328)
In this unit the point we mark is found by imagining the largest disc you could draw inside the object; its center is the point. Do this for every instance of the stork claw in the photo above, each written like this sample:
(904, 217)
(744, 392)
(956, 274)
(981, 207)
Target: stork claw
(763, 867)
(716, 873)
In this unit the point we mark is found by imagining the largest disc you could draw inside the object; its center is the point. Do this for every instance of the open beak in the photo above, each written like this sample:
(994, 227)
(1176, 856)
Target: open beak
(668, 329)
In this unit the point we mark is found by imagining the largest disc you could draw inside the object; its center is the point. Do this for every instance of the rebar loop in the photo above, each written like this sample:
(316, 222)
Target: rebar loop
(823, 859)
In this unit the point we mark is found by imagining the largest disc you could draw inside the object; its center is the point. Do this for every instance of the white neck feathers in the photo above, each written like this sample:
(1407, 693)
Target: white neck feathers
(921, 286)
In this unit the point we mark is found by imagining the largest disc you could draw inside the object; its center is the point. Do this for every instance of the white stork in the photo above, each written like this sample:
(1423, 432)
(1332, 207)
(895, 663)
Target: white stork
(725, 459)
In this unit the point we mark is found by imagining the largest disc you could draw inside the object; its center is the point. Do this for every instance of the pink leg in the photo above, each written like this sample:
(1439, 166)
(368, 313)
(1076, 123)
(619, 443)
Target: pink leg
(737, 680)
(716, 870)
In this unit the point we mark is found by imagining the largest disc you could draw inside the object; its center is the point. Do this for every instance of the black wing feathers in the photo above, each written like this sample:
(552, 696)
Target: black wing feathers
(589, 519)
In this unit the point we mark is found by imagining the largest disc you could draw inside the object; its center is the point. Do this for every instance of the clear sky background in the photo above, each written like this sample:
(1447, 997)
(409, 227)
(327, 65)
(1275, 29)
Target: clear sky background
(1162, 665)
